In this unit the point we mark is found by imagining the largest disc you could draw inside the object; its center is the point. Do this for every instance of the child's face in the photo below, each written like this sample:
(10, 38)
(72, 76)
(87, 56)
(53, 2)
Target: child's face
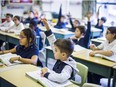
(31, 15)
(75, 23)
(8, 18)
(101, 22)
(57, 53)
(109, 36)
(62, 19)
(16, 21)
(78, 33)
(23, 39)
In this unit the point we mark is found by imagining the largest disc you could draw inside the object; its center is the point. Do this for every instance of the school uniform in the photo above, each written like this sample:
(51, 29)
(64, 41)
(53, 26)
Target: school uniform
(37, 30)
(7, 24)
(62, 70)
(61, 25)
(72, 26)
(16, 28)
(100, 27)
(28, 52)
(85, 40)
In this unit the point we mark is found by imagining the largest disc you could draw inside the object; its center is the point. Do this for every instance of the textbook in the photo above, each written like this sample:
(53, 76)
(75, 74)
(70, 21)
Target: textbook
(105, 57)
(5, 59)
(36, 75)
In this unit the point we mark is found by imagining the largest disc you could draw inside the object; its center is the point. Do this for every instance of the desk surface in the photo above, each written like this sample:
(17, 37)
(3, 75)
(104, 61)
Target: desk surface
(17, 76)
(84, 55)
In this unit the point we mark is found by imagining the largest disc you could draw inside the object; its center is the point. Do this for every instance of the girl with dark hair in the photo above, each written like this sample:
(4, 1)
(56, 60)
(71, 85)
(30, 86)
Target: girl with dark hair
(27, 50)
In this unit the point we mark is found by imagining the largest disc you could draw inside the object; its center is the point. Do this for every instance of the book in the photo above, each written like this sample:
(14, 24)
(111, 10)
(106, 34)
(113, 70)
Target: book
(105, 57)
(36, 75)
(5, 59)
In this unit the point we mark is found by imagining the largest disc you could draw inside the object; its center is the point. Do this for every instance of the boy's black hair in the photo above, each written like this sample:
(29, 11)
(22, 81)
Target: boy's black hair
(17, 18)
(8, 14)
(112, 31)
(77, 21)
(103, 19)
(30, 34)
(33, 23)
(82, 29)
(65, 45)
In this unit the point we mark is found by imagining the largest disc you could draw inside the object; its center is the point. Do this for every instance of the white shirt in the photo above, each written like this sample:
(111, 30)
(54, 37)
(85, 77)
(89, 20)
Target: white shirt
(109, 46)
(7, 24)
(16, 29)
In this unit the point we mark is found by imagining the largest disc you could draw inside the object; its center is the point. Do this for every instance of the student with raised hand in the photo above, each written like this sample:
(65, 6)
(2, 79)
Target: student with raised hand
(9, 22)
(108, 48)
(65, 67)
(82, 36)
(27, 49)
(100, 23)
(17, 27)
(33, 26)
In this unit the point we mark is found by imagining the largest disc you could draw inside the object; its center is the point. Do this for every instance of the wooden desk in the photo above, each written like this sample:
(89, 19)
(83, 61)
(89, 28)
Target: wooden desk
(114, 77)
(96, 65)
(16, 77)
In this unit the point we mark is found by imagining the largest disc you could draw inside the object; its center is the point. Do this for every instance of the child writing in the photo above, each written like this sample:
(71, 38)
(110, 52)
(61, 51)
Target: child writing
(108, 48)
(80, 38)
(33, 26)
(65, 66)
(27, 49)
(17, 27)
(8, 22)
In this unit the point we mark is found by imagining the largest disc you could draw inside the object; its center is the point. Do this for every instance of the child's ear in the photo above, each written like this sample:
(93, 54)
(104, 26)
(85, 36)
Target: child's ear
(64, 54)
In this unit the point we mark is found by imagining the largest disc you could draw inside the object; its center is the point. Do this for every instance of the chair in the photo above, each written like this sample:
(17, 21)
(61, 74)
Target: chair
(90, 85)
(83, 71)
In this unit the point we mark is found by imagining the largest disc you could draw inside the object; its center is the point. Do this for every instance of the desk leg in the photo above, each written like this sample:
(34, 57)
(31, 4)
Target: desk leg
(114, 79)
(109, 77)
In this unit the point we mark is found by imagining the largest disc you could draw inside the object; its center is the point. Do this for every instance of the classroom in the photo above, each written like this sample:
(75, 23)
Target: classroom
(57, 43)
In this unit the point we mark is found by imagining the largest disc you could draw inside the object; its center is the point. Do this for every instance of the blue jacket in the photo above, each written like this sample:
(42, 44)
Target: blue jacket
(85, 41)
(61, 25)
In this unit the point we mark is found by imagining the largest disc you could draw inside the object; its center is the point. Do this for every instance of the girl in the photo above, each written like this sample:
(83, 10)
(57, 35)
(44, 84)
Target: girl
(108, 48)
(27, 49)
(17, 27)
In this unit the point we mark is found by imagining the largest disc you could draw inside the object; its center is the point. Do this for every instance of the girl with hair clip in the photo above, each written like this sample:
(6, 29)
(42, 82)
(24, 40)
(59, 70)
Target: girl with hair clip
(27, 49)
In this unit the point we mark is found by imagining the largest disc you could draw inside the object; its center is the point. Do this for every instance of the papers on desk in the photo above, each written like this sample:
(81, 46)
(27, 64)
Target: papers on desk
(78, 48)
(6, 57)
(3, 28)
(105, 57)
(36, 75)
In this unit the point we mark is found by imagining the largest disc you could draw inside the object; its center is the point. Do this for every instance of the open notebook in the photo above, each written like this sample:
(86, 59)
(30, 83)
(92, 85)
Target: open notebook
(36, 75)
(6, 57)
(105, 57)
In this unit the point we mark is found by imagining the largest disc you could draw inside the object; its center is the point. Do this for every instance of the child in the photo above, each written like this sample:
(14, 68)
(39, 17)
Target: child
(61, 23)
(80, 38)
(8, 22)
(27, 49)
(108, 48)
(65, 66)
(100, 23)
(17, 27)
(33, 26)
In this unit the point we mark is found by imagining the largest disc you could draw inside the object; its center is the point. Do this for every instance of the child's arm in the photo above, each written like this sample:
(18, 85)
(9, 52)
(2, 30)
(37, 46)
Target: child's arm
(49, 34)
(88, 31)
(59, 77)
(8, 51)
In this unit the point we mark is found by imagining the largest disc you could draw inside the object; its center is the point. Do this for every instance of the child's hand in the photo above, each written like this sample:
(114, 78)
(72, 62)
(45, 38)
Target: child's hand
(44, 71)
(46, 23)
(89, 15)
(13, 59)
(92, 53)
(92, 47)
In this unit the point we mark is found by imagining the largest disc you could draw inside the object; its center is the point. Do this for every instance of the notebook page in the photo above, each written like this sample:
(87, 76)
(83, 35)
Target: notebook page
(36, 75)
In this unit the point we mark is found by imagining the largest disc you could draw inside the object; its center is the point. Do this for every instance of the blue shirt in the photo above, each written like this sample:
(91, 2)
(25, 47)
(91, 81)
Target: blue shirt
(37, 30)
(84, 42)
(27, 52)
(61, 25)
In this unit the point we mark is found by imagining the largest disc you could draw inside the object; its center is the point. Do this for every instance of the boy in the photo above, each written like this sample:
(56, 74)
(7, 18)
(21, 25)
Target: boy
(81, 37)
(65, 66)
(9, 22)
